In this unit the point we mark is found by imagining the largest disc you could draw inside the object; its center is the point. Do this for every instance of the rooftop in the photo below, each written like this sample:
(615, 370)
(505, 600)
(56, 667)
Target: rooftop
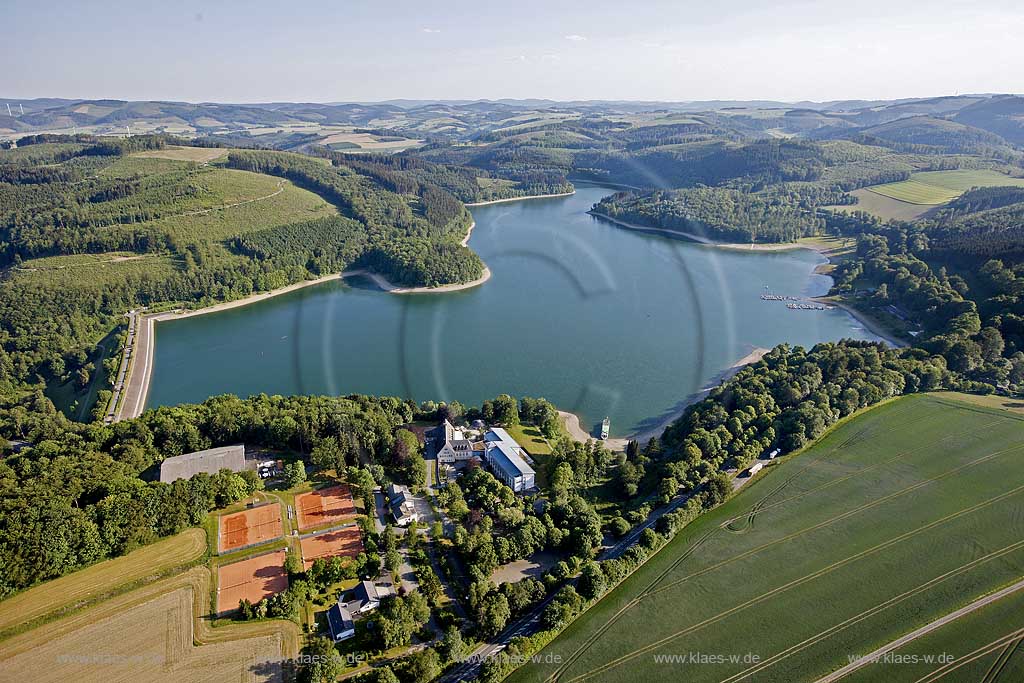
(505, 455)
(209, 461)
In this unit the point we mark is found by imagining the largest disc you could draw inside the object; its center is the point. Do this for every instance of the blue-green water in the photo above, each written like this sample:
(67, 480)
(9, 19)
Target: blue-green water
(597, 319)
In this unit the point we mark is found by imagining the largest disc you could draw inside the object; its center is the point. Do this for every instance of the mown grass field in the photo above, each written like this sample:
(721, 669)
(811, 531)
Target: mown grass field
(530, 438)
(101, 579)
(884, 207)
(200, 154)
(893, 519)
(939, 187)
(160, 632)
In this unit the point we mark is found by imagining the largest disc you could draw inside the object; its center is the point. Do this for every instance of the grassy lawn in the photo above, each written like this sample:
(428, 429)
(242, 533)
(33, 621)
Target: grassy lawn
(77, 403)
(530, 438)
(838, 543)
(101, 579)
(939, 187)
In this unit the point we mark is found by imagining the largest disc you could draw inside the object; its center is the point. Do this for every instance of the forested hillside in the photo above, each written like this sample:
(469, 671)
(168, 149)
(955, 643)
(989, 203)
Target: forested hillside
(90, 230)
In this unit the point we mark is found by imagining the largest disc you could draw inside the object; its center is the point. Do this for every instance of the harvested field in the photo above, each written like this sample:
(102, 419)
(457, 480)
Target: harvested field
(346, 542)
(249, 527)
(251, 579)
(150, 635)
(200, 154)
(100, 579)
(323, 507)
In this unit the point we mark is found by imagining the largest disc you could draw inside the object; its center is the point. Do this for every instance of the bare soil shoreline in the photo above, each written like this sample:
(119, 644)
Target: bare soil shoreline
(576, 431)
(860, 317)
(136, 384)
(519, 199)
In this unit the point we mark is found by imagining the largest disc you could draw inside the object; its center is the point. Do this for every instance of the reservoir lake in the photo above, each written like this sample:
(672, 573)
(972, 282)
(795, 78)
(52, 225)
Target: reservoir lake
(600, 320)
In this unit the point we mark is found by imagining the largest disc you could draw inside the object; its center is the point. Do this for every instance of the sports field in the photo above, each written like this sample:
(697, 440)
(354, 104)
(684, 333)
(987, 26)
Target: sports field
(346, 542)
(249, 527)
(100, 579)
(939, 187)
(252, 579)
(894, 519)
(325, 506)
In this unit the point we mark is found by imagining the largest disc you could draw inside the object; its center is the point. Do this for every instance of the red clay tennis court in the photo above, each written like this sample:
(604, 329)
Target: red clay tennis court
(249, 527)
(345, 542)
(252, 579)
(326, 506)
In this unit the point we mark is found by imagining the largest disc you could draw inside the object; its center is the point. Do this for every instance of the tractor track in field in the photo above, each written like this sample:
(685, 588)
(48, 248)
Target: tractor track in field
(650, 589)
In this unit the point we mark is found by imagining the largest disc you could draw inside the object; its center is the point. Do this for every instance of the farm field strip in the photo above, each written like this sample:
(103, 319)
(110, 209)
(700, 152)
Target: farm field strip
(821, 635)
(162, 634)
(810, 577)
(1009, 639)
(966, 643)
(840, 480)
(939, 187)
(99, 579)
(928, 472)
(847, 514)
(651, 589)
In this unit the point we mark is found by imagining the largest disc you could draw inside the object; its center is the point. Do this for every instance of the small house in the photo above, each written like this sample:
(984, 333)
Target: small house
(340, 623)
(403, 509)
(366, 597)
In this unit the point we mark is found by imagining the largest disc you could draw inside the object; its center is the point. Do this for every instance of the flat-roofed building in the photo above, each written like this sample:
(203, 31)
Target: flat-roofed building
(507, 461)
(210, 461)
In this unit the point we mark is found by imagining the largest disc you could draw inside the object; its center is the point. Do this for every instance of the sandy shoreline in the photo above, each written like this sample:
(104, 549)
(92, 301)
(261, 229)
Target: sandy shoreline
(706, 241)
(868, 324)
(391, 288)
(136, 384)
(860, 317)
(519, 199)
(576, 431)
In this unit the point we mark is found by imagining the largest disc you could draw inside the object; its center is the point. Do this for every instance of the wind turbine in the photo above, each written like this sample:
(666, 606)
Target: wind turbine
(22, 107)
(129, 130)
(9, 110)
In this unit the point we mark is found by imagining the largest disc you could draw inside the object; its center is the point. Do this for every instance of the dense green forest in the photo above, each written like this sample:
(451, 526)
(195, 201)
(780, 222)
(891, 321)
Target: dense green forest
(63, 198)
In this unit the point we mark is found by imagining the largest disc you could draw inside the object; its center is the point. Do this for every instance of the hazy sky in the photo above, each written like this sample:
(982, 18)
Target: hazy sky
(305, 50)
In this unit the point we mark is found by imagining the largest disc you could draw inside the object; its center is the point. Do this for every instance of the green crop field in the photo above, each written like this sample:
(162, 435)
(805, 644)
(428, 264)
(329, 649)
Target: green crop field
(939, 187)
(981, 646)
(895, 518)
